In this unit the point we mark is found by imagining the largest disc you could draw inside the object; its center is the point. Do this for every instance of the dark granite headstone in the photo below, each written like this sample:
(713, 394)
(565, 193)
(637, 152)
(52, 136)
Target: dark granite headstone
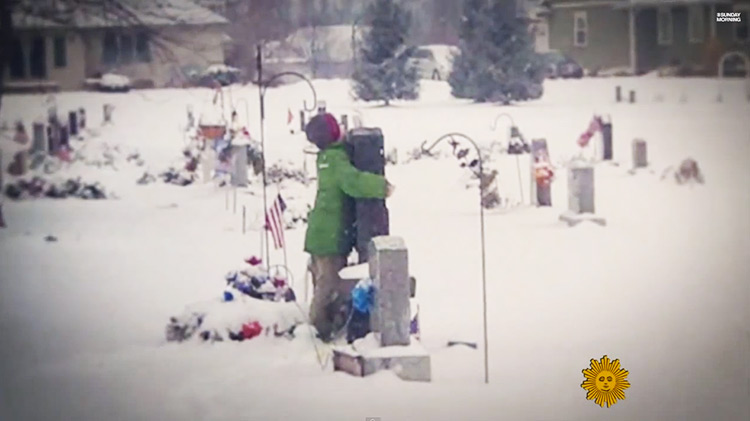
(82, 118)
(607, 153)
(73, 123)
(365, 146)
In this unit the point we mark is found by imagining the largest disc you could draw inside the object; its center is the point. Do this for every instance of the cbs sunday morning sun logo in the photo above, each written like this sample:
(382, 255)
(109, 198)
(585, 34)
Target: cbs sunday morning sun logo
(729, 17)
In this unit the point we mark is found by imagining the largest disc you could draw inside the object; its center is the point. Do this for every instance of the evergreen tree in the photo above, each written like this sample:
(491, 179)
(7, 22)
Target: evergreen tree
(473, 24)
(384, 72)
(496, 58)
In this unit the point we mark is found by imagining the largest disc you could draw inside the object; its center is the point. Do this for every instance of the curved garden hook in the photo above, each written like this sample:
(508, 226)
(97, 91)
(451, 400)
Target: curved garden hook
(493, 127)
(267, 83)
(288, 273)
(452, 136)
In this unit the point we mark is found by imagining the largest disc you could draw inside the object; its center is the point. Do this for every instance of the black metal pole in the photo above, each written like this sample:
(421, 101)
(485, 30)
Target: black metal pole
(481, 223)
(261, 94)
(484, 281)
(262, 86)
(510, 137)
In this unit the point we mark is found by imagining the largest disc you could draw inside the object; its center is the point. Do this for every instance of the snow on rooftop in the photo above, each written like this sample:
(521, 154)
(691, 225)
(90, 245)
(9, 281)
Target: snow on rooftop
(133, 13)
(656, 3)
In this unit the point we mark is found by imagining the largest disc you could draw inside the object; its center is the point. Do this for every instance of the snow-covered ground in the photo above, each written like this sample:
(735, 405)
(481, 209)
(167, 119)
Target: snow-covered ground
(663, 287)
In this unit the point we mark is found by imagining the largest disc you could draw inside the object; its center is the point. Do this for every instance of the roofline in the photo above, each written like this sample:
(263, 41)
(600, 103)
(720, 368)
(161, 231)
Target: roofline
(579, 4)
(66, 27)
(40, 22)
(629, 5)
(622, 4)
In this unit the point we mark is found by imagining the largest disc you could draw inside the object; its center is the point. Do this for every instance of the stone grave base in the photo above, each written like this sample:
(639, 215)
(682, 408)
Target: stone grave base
(411, 362)
(573, 219)
(642, 170)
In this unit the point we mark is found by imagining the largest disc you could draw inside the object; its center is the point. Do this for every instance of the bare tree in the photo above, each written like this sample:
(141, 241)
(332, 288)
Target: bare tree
(256, 22)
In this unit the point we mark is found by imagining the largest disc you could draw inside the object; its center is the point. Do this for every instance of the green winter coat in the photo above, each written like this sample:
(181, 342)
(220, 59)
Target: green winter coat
(329, 224)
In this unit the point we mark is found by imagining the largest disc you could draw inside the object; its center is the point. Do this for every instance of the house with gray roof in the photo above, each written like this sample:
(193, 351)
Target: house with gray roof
(643, 35)
(59, 44)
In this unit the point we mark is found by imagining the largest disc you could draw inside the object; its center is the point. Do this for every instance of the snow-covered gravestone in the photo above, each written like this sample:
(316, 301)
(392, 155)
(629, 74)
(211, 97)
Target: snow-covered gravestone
(581, 195)
(389, 270)
(390, 346)
(37, 139)
(541, 174)
(640, 154)
(239, 167)
(107, 110)
(208, 162)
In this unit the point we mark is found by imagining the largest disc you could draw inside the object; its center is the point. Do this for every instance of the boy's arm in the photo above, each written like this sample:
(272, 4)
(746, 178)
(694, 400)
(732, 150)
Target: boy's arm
(355, 183)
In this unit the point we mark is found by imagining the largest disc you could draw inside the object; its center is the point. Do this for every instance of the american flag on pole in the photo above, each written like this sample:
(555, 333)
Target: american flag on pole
(594, 127)
(275, 221)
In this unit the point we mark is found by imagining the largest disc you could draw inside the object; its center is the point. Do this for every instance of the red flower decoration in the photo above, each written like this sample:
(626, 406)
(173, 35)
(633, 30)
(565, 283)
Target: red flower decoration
(251, 330)
(253, 261)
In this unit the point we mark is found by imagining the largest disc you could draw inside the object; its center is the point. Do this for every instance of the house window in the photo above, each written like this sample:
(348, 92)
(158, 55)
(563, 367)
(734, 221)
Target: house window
(38, 58)
(580, 29)
(126, 49)
(17, 60)
(741, 32)
(696, 24)
(61, 53)
(665, 26)
(142, 48)
(110, 51)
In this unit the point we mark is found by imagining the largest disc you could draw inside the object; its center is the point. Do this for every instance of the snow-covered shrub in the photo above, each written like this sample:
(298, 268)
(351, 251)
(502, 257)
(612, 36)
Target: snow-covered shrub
(277, 173)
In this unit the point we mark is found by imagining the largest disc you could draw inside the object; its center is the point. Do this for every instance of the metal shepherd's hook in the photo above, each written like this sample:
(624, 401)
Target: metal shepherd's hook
(481, 221)
(262, 87)
(513, 130)
(493, 126)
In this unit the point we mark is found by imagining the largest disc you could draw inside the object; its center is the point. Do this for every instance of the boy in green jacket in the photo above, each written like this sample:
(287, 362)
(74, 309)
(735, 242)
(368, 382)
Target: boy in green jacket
(330, 238)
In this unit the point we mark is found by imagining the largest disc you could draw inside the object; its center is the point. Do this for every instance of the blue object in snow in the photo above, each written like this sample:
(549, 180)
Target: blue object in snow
(363, 296)
(221, 144)
(228, 296)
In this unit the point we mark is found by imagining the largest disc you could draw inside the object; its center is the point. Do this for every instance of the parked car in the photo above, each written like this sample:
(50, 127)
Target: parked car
(559, 65)
(221, 73)
(428, 64)
(735, 67)
(109, 82)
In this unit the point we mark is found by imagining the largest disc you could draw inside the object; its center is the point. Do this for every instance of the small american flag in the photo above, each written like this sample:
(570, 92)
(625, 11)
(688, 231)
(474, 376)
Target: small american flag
(594, 127)
(275, 221)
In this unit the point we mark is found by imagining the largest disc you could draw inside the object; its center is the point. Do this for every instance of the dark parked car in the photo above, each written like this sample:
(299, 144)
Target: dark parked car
(559, 65)
(735, 67)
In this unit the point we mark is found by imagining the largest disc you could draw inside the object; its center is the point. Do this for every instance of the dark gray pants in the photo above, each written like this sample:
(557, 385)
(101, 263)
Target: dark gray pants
(331, 294)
